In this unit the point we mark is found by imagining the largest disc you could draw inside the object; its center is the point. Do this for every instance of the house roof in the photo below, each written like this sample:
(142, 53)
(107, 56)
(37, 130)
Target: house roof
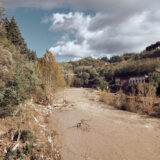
(128, 77)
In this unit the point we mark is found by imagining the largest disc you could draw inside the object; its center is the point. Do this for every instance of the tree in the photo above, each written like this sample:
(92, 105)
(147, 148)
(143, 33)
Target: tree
(13, 33)
(154, 79)
(6, 24)
(2, 14)
(153, 46)
(105, 59)
(50, 73)
(15, 37)
(115, 59)
(128, 56)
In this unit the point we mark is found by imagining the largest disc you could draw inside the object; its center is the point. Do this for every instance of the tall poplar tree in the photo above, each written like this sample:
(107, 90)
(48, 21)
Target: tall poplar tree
(49, 71)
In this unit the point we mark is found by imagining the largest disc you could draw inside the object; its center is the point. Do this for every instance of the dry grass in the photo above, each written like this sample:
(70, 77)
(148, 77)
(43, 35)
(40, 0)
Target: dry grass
(92, 95)
(35, 119)
(108, 98)
(137, 104)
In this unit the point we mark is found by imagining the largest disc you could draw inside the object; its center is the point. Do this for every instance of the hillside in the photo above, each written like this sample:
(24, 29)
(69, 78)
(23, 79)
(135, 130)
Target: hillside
(101, 73)
(27, 86)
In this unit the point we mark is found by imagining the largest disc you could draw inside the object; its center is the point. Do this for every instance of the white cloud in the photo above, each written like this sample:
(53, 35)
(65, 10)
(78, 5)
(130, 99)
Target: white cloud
(118, 26)
(71, 49)
(75, 24)
(91, 39)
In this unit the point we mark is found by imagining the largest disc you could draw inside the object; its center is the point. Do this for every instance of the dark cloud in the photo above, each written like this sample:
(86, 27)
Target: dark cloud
(46, 4)
(109, 6)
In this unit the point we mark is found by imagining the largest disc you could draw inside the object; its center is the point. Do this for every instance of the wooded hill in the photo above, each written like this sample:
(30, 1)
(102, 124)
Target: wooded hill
(101, 73)
(21, 72)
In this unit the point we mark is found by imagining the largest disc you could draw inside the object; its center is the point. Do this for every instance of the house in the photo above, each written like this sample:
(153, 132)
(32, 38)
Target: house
(124, 81)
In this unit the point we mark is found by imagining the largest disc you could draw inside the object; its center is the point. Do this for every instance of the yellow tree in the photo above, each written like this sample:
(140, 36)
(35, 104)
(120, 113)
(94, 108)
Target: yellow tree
(50, 73)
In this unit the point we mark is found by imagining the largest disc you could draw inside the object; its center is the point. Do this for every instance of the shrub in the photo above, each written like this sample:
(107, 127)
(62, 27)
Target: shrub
(135, 104)
(115, 59)
(14, 91)
(156, 110)
(11, 155)
(6, 111)
(25, 135)
(28, 150)
(146, 90)
(23, 153)
(107, 98)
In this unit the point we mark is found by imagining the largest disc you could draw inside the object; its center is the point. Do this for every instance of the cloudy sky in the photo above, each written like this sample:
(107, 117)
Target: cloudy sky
(74, 29)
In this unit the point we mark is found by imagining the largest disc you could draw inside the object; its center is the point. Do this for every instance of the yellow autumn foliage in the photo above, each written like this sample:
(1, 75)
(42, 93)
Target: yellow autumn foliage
(50, 72)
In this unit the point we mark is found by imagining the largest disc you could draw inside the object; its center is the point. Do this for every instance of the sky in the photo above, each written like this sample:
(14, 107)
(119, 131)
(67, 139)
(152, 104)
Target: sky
(73, 29)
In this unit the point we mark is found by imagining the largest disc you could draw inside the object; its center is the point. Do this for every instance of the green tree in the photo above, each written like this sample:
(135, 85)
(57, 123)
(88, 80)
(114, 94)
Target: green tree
(154, 78)
(115, 59)
(13, 33)
(15, 37)
(105, 59)
(6, 25)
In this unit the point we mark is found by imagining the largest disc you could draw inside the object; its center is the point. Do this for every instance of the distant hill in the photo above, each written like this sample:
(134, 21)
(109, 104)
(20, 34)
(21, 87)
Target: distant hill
(91, 72)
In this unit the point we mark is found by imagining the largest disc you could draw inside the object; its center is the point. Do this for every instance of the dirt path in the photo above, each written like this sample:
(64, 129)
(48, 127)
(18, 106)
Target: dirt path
(89, 130)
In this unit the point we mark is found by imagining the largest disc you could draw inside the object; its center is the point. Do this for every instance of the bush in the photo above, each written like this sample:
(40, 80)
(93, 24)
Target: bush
(26, 150)
(144, 90)
(13, 94)
(11, 155)
(115, 59)
(24, 153)
(135, 104)
(108, 98)
(156, 110)
(25, 135)
(6, 111)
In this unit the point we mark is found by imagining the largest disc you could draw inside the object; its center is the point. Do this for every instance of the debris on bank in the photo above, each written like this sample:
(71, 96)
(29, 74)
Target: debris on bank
(27, 135)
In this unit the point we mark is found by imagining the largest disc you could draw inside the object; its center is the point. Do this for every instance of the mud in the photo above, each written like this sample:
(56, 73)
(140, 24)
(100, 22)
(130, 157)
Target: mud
(89, 130)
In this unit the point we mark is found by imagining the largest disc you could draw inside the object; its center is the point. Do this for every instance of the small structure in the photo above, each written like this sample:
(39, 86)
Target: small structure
(124, 81)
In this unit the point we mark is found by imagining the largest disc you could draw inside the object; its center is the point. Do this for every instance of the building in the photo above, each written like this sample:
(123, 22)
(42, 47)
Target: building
(124, 81)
